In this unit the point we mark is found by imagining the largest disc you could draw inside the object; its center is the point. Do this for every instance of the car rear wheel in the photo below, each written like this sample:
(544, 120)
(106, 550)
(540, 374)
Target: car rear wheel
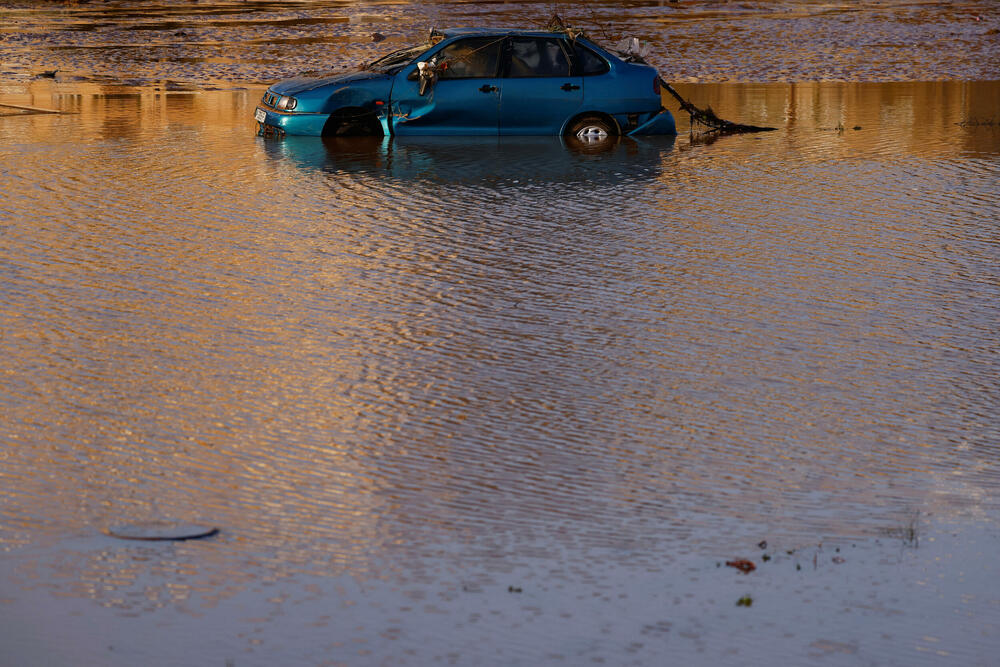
(592, 130)
(352, 122)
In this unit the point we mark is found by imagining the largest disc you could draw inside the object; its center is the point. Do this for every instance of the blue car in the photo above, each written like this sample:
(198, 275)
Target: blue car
(482, 82)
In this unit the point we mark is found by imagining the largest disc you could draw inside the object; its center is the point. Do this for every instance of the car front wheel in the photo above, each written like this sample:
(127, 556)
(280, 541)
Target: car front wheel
(352, 122)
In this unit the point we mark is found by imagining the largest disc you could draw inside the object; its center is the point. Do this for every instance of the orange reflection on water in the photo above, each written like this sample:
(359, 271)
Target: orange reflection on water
(387, 360)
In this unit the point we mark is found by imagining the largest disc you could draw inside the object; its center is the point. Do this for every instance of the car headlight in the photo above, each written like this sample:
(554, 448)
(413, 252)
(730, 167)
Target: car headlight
(286, 103)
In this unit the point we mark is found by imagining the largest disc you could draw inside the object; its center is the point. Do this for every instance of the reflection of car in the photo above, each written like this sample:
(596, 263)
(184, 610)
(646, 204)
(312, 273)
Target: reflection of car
(478, 82)
(449, 161)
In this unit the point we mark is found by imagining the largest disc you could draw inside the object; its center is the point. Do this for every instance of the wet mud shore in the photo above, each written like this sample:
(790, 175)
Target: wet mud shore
(213, 43)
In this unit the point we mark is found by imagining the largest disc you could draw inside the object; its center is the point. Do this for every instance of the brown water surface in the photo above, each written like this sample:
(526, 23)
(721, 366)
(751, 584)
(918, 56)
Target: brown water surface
(497, 401)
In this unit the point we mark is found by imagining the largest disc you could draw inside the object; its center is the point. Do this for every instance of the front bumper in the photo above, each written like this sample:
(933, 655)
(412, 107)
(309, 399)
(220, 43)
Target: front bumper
(278, 123)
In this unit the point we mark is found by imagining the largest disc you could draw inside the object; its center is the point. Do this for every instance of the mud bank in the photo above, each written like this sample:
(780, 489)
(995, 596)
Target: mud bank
(216, 43)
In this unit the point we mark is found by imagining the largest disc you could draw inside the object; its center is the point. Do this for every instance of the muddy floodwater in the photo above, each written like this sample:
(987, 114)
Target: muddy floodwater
(500, 402)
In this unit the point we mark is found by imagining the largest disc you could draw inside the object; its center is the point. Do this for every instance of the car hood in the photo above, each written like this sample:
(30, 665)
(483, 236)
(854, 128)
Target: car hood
(301, 84)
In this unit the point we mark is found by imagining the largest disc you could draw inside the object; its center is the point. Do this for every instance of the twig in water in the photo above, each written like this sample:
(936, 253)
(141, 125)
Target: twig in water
(708, 118)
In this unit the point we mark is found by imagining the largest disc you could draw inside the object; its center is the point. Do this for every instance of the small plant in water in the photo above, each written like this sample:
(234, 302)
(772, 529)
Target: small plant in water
(745, 601)
(908, 532)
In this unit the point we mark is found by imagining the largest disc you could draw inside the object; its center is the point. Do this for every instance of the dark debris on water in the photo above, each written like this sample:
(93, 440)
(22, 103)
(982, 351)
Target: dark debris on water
(709, 119)
(162, 531)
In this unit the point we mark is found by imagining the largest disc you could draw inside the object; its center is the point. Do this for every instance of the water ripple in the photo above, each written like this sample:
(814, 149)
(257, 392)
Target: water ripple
(366, 358)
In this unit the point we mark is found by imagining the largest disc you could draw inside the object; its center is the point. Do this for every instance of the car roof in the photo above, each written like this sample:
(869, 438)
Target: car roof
(495, 32)
(451, 33)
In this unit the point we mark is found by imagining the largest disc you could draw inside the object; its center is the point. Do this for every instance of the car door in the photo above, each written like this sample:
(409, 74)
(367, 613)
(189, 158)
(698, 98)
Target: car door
(465, 98)
(539, 91)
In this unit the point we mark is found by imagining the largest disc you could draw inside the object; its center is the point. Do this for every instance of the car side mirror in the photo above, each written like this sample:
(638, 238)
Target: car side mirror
(427, 72)
(413, 76)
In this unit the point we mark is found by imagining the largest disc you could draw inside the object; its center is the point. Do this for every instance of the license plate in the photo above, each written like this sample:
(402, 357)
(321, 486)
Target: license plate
(259, 115)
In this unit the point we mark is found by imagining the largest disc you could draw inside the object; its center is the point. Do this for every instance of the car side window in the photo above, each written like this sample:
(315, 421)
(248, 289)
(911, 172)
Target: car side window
(537, 56)
(473, 58)
(589, 63)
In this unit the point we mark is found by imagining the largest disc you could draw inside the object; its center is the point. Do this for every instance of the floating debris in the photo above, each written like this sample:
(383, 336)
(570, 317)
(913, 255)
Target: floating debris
(30, 109)
(377, 37)
(514, 589)
(742, 564)
(762, 544)
(708, 118)
(745, 601)
(979, 122)
(161, 530)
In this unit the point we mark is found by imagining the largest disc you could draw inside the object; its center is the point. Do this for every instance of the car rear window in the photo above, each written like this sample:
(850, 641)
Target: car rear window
(473, 58)
(537, 56)
(588, 62)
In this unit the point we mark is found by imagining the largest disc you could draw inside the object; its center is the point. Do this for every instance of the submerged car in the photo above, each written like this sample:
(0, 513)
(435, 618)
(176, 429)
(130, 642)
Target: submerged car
(478, 82)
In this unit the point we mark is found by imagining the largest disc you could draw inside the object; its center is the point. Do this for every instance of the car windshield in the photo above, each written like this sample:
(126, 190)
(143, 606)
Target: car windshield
(396, 59)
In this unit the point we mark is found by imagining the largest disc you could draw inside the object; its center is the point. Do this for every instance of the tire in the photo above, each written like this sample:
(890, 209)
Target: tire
(352, 122)
(592, 130)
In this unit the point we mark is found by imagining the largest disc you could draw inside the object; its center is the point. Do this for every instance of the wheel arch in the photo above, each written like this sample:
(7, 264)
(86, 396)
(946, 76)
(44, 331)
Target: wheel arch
(583, 114)
(347, 114)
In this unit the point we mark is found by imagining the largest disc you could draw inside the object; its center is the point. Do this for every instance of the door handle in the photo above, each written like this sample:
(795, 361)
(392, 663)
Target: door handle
(569, 86)
(488, 89)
